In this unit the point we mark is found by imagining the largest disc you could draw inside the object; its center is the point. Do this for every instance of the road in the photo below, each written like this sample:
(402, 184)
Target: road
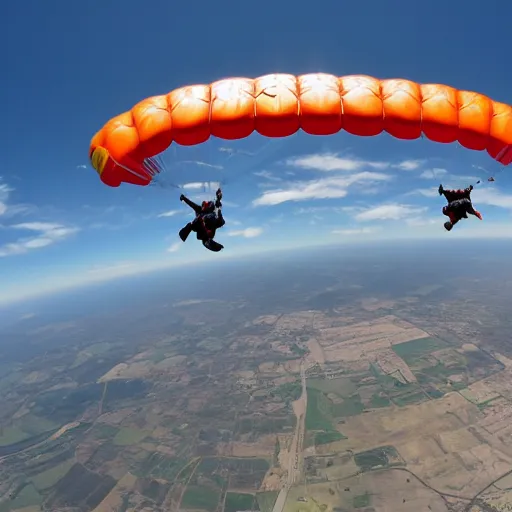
(296, 454)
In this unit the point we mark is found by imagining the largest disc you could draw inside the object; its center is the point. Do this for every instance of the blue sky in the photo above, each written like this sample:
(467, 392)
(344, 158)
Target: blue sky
(70, 66)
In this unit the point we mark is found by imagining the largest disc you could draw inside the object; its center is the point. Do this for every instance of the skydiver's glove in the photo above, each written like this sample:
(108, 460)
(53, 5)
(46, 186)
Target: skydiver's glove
(219, 194)
(470, 188)
(182, 197)
(440, 190)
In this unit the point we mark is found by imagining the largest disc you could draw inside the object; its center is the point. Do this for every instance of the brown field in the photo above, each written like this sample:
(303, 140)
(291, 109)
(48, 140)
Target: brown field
(114, 498)
(271, 368)
(324, 322)
(273, 480)
(35, 377)
(144, 369)
(479, 392)
(504, 483)
(502, 359)
(500, 382)
(500, 501)
(390, 492)
(464, 473)
(376, 304)
(316, 351)
(296, 321)
(362, 340)
(116, 417)
(390, 362)
(497, 417)
(446, 442)
(292, 366)
(400, 425)
(138, 370)
(263, 447)
(63, 430)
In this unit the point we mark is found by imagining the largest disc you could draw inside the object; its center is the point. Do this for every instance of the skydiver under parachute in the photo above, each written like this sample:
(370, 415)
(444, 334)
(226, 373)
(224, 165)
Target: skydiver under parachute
(459, 205)
(208, 219)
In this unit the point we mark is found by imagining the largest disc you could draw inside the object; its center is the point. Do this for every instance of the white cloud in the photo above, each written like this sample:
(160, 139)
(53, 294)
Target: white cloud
(48, 234)
(200, 185)
(329, 162)
(389, 212)
(425, 192)
(174, 247)
(353, 232)
(409, 165)
(332, 162)
(420, 221)
(492, 197)
(267, 175)
(170, 213)
(202, 164)
(246, 233)
(325, 188)
(232, 151)
(5, 190)
(433, 173)
(81, 166)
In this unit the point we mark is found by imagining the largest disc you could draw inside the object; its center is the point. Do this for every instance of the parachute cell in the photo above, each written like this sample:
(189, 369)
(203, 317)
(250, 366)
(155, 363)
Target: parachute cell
(279, 105)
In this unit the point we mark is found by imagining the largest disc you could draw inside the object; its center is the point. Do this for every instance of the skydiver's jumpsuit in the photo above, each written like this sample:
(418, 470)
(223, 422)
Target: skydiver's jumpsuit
(207, 222)
(459, 205)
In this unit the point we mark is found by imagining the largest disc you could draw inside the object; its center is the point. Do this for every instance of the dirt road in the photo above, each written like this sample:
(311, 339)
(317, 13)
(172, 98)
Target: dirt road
(296, 453)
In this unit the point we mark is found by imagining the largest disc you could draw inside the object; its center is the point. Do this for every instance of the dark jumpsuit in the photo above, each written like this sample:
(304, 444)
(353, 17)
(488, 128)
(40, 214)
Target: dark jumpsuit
(459, 205)
(206, 223)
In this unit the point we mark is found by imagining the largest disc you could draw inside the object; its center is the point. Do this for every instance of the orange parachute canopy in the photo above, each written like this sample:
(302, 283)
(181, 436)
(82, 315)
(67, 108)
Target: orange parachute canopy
(278, 105)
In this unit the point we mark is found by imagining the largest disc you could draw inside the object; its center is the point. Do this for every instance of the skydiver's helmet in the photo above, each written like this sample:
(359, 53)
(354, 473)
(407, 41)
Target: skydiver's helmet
(207, 206)
(448, 226)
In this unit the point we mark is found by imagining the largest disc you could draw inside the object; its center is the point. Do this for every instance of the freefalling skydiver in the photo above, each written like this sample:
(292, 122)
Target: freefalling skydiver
(208, 219)
(459, 205)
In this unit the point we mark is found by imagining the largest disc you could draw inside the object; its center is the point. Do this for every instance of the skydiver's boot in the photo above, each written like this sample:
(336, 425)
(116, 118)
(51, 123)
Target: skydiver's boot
(448, 226)
(184, 232)
(212, 245)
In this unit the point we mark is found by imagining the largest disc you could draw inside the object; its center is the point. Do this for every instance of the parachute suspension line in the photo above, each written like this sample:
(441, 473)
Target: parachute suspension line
(490, 178)
(154, 165)
(131, 171)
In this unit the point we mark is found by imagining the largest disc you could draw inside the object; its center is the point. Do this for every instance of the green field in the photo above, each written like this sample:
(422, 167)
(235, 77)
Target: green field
(375, 457)
(236, 501)
(341, 386)
(12, 435)
(103, 431)
(266, 500)
(288, 392)
(50, 477)
(351, 406)
(378, 400)
(161, 466)
(199, 497)
(409, 398)
(129, 436)
(412, 350)
(362, 501)
(26, 498)
(328, 437)
(319, 412)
